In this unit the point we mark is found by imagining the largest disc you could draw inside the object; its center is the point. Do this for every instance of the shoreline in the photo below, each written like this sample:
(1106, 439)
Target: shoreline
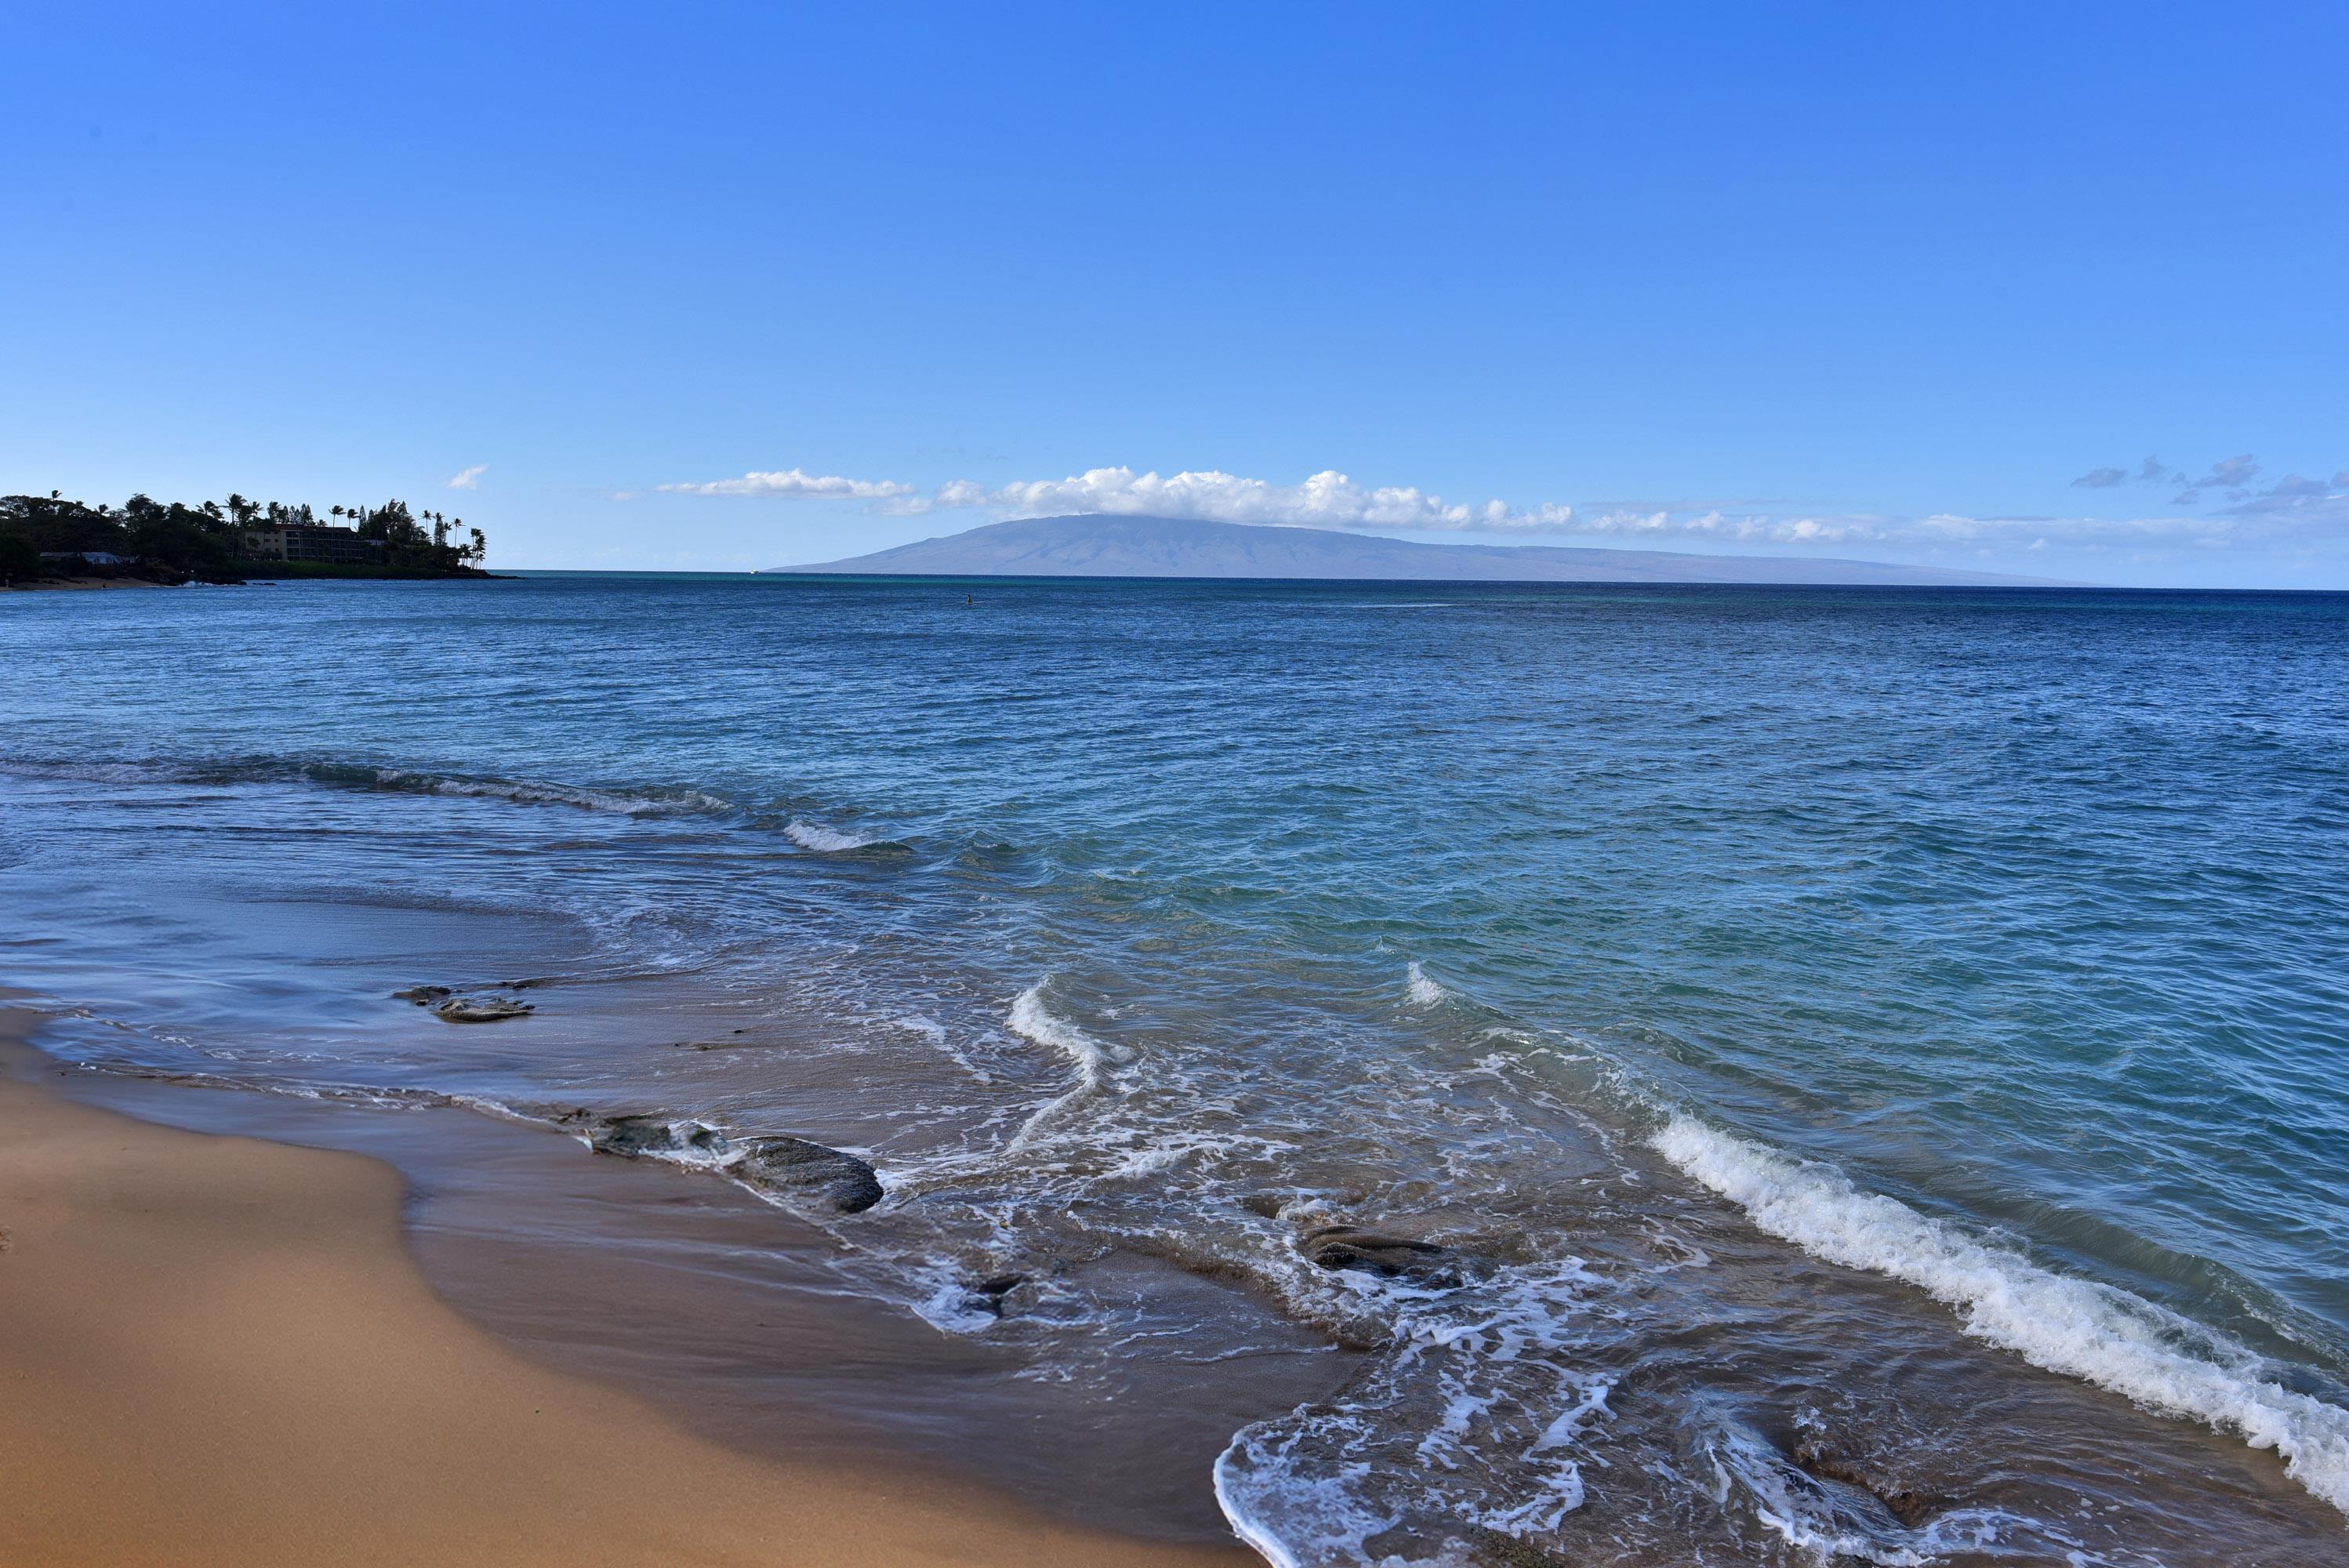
(242, 1327)
(79, 584)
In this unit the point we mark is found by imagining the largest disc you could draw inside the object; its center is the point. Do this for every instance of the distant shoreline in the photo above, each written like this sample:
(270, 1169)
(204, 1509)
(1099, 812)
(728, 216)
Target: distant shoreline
(86, 584)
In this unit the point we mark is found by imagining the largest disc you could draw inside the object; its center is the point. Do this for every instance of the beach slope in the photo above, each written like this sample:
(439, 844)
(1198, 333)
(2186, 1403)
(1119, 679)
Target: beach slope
(216, 1350)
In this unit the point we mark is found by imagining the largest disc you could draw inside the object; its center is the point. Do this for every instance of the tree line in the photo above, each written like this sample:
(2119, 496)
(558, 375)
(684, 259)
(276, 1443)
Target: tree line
(207, 540)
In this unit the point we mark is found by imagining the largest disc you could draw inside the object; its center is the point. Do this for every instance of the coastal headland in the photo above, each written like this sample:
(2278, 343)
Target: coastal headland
(51, 542)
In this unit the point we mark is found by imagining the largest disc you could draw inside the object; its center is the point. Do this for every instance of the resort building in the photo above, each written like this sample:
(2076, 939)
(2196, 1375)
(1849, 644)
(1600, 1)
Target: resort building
(310, 542)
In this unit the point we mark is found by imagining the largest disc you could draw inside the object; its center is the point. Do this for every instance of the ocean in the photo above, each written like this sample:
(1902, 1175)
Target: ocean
(1406, 1073)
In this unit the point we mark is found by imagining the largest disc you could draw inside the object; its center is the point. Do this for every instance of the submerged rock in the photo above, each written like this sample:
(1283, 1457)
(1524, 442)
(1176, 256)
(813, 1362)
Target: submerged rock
(633, 1137)
(480, 1009)
(1003, 1295)
(1909, 1503)
(776, 1163)
(1388, 1256)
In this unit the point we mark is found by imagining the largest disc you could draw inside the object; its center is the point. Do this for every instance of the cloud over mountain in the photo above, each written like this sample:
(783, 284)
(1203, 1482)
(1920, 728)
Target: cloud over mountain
(1332, 500)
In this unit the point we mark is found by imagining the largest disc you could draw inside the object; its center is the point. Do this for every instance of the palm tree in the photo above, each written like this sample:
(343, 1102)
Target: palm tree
(335, 509)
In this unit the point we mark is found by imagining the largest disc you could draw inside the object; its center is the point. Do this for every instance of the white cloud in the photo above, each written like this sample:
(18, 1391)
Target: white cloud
(1332, 499)
(798, 483)
(1326, 499)
(468, 479)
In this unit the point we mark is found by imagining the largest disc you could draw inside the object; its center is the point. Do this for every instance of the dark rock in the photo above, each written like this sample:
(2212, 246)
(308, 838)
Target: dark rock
(1501, 1551)
(1911, 1505)
(1001, 1295)
(1391, 1257)
(480, 1009)
(795, 1165)
(633, 1137)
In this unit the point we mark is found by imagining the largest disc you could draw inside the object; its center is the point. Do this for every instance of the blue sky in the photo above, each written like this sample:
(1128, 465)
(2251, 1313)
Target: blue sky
(1870, 280)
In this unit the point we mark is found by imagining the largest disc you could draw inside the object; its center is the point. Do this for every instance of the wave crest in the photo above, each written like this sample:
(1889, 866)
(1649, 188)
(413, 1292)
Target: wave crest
(1031, 1019)
(823, 841)
(2080, 1328)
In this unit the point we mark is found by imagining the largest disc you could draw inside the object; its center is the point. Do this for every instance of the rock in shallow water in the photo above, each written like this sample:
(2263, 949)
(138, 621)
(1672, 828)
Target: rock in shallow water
(633, 1137)
(1391, 1257)
(480, 1009)
(776, 1163)
(1911, 1503)
(794, 1164)
(1003, 1295)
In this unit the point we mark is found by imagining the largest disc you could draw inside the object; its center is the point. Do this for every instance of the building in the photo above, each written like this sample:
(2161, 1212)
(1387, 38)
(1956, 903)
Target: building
(311, 542)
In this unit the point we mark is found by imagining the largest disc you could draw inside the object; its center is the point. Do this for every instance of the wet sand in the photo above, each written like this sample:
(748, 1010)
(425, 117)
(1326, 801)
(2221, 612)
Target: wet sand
(220, 1350)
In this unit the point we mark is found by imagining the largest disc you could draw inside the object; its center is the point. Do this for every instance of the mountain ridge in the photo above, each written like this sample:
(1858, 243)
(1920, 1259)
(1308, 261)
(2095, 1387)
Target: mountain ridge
(1106, 545)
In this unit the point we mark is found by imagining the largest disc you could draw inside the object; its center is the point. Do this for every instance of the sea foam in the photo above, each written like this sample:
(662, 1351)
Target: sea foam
(1031, 1019)
(1423, 989)
(825, 841)
(2078, 1327)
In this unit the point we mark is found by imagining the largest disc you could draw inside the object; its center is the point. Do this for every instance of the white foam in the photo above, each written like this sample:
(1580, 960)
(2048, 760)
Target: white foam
(1031, 1019)
(825, 841)
(2078, 1327)
(1324, 1518)
(1830, 1523)
(1424, 990)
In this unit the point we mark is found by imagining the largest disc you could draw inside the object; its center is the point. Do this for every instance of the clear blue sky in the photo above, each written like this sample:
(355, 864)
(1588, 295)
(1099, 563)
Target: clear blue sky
(1783, 279)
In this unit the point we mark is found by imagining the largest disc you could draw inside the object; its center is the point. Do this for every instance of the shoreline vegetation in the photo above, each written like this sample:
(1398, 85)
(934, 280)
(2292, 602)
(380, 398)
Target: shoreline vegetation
(220, 1350)
(50, 541)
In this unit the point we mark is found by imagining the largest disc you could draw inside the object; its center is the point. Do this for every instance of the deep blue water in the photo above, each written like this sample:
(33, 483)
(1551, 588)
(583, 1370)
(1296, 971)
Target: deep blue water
(2021, 913)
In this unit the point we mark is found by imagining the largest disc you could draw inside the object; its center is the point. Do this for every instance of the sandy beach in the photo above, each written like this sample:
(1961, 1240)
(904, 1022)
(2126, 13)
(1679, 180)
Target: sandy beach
(219, 1350)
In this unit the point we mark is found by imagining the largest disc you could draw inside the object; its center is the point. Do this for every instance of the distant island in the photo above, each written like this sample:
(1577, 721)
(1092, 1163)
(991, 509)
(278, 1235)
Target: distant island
(1105, 546)
(48, 538)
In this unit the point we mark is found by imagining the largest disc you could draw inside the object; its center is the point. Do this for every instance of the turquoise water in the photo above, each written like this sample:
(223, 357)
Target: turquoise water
(1832, 967)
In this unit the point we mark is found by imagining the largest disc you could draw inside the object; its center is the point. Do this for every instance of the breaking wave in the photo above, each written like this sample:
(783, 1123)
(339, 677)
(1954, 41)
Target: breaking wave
(1423, 989)
(2083, 1329)
(824, 840)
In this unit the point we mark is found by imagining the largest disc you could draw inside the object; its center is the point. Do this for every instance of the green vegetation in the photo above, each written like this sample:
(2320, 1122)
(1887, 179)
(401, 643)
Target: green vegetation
(225, 542)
